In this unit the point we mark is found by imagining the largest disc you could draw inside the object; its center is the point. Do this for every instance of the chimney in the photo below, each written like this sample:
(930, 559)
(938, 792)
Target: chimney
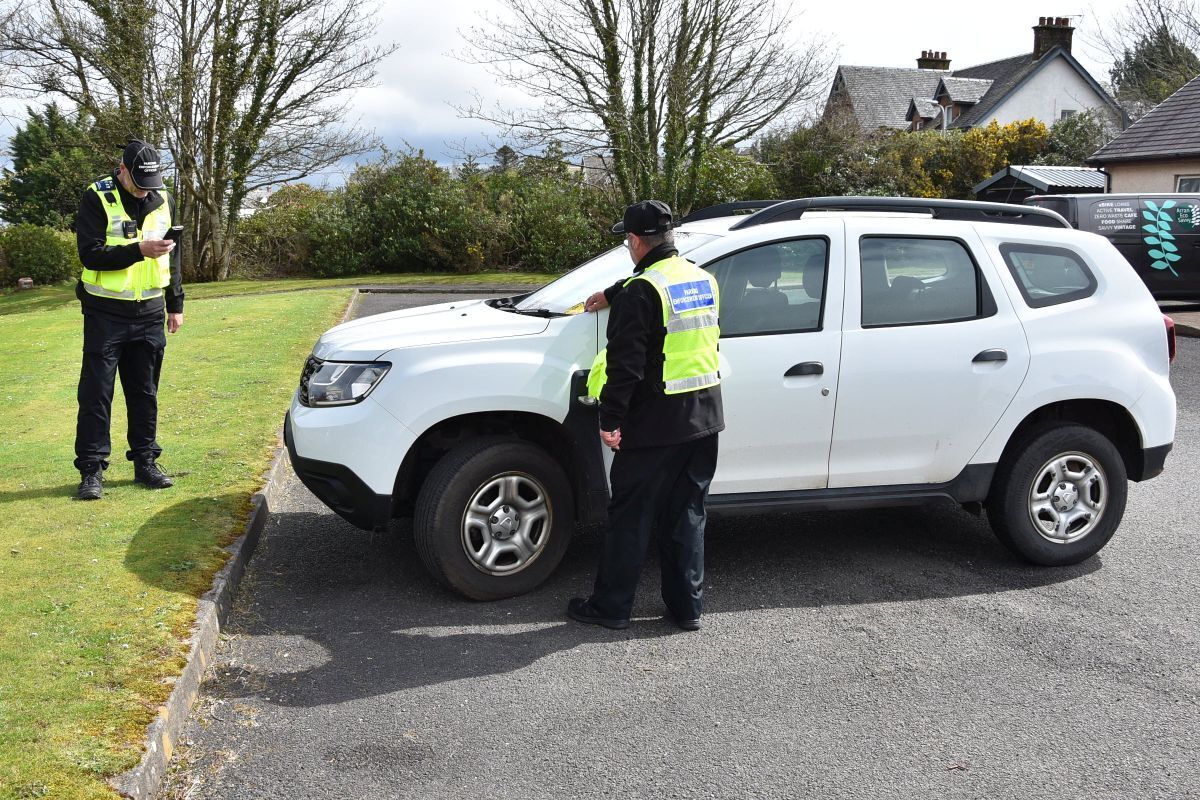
(1051, 32)
(932, 59)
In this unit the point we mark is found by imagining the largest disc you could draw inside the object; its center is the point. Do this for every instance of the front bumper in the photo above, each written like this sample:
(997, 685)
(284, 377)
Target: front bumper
(338, 487)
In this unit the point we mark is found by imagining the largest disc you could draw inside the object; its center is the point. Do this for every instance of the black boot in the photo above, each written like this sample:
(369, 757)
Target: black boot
(90, 487)
(145, 471)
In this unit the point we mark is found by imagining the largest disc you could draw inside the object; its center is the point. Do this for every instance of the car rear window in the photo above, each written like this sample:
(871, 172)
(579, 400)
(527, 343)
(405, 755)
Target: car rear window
(1048, 276)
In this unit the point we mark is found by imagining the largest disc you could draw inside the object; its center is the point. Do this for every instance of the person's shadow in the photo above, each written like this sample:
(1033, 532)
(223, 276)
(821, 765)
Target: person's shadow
(344, 614)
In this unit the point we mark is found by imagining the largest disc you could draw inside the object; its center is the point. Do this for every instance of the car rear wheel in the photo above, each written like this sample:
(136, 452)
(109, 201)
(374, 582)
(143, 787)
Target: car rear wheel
(494, 518)
(1060, 496)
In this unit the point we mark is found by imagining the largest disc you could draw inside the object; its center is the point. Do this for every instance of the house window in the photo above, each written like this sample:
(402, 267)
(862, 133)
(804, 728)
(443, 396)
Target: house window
(1187, 183)
(1065, 113)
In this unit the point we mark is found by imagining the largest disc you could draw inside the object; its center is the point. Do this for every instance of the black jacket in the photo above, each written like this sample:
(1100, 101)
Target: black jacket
(633, 398)
(91, 226)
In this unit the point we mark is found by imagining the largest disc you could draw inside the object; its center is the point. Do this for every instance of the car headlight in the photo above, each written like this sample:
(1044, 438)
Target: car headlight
(334, 383)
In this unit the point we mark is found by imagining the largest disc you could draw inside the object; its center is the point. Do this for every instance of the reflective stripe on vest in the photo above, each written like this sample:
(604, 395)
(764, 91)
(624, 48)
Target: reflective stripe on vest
(143, 280)
(127, 294)
(692, 384)
(690, 304)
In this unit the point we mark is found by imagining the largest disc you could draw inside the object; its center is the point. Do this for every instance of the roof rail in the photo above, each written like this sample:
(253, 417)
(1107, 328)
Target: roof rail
(727, 209)
(968, 210)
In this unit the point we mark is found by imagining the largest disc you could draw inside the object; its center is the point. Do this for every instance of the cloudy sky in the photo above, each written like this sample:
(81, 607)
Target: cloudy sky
(418, 86)
(423, 80)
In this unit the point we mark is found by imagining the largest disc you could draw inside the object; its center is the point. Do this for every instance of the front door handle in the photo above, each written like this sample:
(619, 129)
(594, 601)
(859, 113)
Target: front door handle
(995, 354)
(807, 368)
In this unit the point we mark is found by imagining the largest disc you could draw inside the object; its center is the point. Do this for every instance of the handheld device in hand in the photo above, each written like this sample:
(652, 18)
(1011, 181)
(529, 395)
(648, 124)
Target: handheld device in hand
(174, 234)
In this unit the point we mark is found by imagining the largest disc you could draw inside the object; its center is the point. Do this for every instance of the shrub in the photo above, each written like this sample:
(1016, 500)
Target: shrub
(726, 176)
(408, 214)
(551, 222)
(301, 231)
(35, 251)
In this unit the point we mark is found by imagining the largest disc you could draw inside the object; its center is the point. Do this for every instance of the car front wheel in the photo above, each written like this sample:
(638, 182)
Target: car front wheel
(1060, 496)
(493, 518)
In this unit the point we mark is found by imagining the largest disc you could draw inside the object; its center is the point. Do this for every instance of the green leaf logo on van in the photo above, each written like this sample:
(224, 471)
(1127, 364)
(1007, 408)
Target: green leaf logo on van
(1163, 249)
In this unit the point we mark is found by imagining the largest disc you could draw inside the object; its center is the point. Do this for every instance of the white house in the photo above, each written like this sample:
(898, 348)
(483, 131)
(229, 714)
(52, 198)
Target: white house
(1047, 84)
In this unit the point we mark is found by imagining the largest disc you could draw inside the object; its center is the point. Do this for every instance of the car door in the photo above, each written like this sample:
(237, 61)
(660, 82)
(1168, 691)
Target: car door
(932, 354)
(781, 306)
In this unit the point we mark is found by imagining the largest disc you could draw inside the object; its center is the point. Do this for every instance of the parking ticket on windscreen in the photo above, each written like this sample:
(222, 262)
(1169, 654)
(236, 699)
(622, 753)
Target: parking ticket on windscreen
(691, 296)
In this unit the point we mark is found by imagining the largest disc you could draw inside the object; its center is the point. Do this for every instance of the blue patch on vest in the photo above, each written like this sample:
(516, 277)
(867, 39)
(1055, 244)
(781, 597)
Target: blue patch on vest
(691, 296)
(106, 184)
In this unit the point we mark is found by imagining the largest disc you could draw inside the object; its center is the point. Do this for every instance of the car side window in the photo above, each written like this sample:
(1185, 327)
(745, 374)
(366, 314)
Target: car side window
(915, 281)
(1047, 276)
(773, 288)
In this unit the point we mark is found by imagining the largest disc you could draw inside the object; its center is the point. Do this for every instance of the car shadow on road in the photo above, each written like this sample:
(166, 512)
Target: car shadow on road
(330, 613)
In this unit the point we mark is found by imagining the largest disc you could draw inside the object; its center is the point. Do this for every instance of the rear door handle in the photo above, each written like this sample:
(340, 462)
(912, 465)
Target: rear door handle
(807, 368)
(995, 354)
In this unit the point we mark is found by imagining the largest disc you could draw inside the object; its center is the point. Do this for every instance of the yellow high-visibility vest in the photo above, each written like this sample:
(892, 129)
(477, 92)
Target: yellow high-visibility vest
(691, 303)
(145, 279)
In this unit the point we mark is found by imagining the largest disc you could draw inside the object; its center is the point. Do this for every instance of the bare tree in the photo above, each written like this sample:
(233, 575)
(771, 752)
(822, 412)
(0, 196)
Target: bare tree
(245, 93)
(1153, 46)
(651, 85)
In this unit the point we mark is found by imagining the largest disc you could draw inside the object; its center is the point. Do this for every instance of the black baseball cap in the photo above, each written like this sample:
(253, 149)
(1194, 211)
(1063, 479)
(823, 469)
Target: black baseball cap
(141, 160)
(647, 218)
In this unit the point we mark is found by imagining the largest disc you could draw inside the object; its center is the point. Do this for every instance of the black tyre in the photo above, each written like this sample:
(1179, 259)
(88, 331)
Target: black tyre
(1059, 494)
(494, 518)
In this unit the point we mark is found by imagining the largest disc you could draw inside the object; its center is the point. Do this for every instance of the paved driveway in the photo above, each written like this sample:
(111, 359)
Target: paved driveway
(859, 654)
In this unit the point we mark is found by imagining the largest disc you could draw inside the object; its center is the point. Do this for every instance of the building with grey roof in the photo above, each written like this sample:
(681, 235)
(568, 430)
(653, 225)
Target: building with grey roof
(1160, 152)
(1047, 84)
(1016, 182)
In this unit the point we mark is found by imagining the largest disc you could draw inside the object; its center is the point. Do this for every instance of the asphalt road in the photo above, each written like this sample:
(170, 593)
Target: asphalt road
(850, 655)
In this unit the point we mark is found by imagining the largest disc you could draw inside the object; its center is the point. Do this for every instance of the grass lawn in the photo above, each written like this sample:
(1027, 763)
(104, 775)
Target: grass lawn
(50, 297)
(97, 599)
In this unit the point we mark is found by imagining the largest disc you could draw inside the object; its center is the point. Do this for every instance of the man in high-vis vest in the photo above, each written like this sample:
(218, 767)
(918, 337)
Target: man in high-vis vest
(130, 277)
(660, 409)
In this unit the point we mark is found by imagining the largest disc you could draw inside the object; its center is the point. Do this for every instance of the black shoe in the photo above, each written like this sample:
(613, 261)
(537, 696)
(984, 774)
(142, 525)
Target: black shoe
(581, 610)
(90, 487)
(685, 624)
(145, 471)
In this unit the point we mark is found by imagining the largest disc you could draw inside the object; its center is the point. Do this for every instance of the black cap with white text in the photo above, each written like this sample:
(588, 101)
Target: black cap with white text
(141, 160)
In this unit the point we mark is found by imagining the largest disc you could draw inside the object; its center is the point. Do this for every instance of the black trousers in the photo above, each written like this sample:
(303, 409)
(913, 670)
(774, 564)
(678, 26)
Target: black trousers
(135, 350)
(658, 489)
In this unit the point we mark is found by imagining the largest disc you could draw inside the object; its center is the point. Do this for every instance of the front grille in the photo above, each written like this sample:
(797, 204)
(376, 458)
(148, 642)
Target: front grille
(310, 366)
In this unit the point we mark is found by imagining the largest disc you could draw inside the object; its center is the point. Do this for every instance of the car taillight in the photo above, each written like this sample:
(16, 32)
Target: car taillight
(1170, 323)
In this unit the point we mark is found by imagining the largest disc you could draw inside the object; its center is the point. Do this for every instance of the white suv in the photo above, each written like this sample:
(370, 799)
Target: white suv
(874, 352)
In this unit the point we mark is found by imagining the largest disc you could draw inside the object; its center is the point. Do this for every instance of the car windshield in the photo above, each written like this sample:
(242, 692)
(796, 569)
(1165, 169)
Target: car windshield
(566, 295)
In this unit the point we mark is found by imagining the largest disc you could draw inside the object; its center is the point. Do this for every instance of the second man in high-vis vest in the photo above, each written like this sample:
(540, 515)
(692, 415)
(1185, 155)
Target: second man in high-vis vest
(660, 409)
(130, 278)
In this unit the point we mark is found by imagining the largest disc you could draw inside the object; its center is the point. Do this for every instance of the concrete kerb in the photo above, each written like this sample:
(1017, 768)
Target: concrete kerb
(145, 780)
(458, 289)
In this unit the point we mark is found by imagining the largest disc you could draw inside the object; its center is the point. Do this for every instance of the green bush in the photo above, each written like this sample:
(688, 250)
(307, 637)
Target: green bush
(726, 176)
(35, 251)
(301, 231)
(552, 220)
(407, 214)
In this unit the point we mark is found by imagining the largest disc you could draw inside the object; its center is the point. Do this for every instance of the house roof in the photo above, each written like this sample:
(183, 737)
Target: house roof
(880, 96)
(1170, 130)
(922, 108)
(1045, 178)
(963, 90)
(1004, 75)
